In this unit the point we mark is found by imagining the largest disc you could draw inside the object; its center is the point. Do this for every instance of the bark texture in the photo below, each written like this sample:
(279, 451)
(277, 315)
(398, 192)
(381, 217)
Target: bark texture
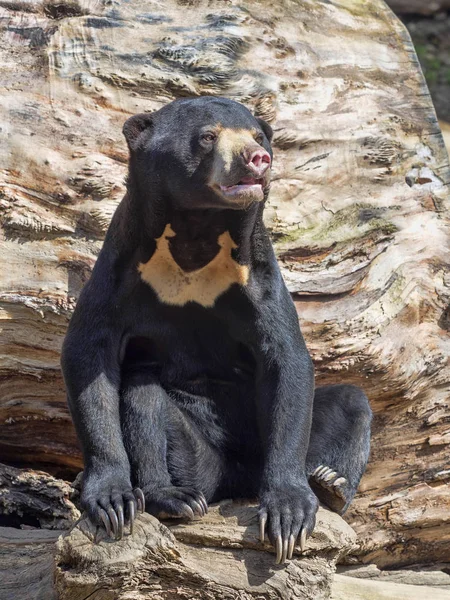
(36, 499)
(358, 212)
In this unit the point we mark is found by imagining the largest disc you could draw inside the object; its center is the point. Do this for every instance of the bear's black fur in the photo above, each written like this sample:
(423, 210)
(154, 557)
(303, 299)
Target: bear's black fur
(188, 378)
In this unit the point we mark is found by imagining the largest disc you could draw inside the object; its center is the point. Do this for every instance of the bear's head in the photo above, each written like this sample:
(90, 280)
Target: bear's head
(200, 153)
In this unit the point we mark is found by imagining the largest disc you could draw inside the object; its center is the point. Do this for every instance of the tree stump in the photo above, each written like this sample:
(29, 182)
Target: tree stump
(217, 557)
(358, 212)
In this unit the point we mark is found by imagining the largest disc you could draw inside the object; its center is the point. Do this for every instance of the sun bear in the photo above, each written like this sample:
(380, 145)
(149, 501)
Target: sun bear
(187, 375)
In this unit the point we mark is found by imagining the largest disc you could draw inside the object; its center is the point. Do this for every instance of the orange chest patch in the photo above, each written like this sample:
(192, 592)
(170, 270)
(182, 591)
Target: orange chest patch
(177, 287)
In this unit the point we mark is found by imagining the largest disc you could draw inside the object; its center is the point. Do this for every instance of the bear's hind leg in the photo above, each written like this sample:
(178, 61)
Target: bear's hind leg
(339, 444)
(161, 444)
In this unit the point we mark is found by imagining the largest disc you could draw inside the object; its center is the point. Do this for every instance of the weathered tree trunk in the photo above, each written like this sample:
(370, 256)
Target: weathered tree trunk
(219, 557)
(345, 588)
(358, 212)
(36, 500)
(27, 564)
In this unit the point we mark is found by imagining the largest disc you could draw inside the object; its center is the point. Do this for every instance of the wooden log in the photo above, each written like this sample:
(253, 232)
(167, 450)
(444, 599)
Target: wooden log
(347, 587)
(27, 564)
(219, 557)
(434, 576)
(36, 499)
(358, 212)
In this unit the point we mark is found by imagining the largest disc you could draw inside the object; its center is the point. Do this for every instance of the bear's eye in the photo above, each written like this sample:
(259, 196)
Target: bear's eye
(208, 136)
(259, 138)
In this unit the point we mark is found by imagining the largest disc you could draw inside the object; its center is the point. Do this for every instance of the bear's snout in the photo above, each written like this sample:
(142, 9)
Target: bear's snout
(257, 161)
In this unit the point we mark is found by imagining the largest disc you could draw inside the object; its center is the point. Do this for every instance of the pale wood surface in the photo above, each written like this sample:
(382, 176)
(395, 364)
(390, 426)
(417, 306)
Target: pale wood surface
(358, 211)
(219, 557)
(345, 588)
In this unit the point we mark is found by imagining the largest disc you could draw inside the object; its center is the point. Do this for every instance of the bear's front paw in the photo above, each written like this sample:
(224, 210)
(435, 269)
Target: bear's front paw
(288, 512)
(109, 499)
(174, 502)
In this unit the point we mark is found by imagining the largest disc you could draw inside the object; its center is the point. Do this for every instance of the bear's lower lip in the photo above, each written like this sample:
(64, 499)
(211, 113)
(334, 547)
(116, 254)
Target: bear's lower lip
(247, 187)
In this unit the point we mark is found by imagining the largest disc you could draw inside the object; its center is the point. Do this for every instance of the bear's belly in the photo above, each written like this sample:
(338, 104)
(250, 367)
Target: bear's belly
(206, 373)
(191, 361)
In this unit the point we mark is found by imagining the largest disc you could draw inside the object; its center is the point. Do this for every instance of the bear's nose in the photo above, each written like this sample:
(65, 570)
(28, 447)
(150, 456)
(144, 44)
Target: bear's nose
(258, 161)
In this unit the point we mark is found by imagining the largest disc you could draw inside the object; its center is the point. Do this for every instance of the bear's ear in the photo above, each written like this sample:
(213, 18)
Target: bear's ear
(266, 128)
(134, 126)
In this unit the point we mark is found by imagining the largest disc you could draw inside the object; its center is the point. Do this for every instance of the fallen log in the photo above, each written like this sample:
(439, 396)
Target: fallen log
(36, 499)
(27, 564)
(217, 557)
(348, 587)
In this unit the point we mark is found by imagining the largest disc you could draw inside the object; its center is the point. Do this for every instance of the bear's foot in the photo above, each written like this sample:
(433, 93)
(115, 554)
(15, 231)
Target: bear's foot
(174, 502)
(331, 488)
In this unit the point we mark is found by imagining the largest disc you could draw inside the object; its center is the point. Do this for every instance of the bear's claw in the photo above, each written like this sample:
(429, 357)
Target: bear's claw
(114, 519)
(330, 488)
(325, 475)
(140, 499)
(106, 522)
(131, 514)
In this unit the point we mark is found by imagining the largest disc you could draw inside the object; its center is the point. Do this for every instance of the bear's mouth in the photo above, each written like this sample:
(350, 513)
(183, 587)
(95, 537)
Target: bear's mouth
(246, 187)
